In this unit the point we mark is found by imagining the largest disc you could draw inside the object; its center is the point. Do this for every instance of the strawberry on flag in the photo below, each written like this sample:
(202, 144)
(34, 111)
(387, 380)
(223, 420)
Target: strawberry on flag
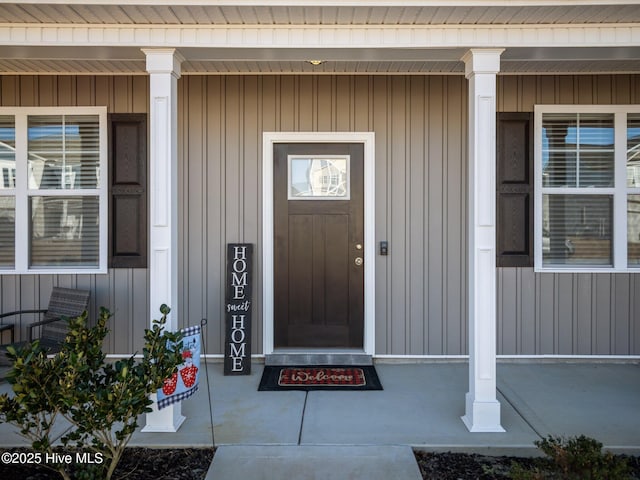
(184, 382)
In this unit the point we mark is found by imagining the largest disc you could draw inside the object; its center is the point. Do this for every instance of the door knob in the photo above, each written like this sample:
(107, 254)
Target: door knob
(359, 261)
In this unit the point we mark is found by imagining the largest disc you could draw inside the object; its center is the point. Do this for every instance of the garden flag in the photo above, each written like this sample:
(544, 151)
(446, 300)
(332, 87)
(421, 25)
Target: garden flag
(184, 382)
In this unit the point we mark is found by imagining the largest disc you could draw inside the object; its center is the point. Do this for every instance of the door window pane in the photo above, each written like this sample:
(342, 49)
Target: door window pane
(64, 151)
(577, 230)
(318, 177)
(64, 231)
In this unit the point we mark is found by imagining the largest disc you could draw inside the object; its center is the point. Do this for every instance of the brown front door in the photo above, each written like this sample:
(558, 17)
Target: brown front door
(319, 245)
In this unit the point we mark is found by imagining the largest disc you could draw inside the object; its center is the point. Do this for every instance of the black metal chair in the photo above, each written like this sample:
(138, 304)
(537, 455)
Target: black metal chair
(64, 302)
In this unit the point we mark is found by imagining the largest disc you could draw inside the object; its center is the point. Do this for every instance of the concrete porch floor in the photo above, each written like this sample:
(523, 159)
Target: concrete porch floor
(420, 406)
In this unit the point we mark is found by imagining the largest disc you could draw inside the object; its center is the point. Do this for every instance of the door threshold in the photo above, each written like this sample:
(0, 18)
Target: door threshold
(317, 357)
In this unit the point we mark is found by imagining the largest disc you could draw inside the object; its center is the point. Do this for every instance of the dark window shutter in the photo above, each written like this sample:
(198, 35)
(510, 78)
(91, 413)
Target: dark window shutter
(514, 184)
(128, 190)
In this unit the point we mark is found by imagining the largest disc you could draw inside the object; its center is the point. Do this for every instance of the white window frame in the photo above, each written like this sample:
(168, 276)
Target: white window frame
(619, 190)
(21, 192)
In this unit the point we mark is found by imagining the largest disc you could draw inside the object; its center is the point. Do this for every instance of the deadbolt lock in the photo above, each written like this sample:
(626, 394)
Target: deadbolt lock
(358, 246)
(359, 261)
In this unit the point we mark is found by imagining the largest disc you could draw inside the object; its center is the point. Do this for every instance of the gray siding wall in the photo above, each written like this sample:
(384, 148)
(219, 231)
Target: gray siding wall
(420, 191)
(567, 314)
(123, 291)
(420, 124)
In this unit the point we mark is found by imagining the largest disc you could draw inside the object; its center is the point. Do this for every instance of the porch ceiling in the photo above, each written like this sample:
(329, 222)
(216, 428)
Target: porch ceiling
(278, 36)
(131, 61)
(308, 12)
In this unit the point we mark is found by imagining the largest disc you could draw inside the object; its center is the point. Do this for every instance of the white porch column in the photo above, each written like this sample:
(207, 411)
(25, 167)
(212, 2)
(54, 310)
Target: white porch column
(482, 412)
(163, 66)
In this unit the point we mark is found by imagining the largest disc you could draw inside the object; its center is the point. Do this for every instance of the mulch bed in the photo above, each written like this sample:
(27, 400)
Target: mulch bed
(136, 464)
(462, 466)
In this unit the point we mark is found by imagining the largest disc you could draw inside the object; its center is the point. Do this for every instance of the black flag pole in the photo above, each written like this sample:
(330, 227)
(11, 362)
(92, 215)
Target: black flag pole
(203, 323)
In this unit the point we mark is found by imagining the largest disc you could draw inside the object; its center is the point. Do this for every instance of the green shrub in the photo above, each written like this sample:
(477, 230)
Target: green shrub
(101, 400)
(581, 458)
(575, 458)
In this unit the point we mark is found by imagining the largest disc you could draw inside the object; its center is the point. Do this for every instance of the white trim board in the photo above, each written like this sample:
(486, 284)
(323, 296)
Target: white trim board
(268, 141)
(543, 358)
(403, 359)
(381, 37)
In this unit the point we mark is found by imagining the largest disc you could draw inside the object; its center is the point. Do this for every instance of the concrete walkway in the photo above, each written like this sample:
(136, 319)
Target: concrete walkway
(327, 435)
(305, 462)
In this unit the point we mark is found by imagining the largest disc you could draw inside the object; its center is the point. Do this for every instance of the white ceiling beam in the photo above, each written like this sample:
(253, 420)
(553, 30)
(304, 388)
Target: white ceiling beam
(319, 36)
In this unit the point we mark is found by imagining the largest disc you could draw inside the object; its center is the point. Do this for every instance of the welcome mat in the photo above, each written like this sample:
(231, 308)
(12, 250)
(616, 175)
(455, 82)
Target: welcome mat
(333, 377)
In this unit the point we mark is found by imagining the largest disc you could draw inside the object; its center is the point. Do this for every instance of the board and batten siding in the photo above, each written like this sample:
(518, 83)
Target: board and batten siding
(420, 124)
(123, 291)
(567, 313)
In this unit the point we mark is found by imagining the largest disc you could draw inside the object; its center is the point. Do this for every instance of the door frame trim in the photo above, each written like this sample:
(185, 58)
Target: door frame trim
(268, 141)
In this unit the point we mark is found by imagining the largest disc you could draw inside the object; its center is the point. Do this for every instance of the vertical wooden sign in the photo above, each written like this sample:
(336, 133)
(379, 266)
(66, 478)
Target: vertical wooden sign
(237, 357)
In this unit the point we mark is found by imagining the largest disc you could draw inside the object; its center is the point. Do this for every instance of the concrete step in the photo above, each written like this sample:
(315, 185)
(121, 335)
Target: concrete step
(305, 462)
(299, 359)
